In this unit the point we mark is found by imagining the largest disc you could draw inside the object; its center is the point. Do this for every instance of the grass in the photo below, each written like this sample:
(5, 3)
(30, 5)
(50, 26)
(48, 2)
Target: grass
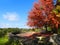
(3, 40)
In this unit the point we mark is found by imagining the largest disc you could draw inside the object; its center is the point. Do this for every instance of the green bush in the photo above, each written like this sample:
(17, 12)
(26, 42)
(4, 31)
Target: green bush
(2, 33)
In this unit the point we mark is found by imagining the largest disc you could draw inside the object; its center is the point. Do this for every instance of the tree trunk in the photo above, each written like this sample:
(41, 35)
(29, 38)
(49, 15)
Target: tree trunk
(46, 27)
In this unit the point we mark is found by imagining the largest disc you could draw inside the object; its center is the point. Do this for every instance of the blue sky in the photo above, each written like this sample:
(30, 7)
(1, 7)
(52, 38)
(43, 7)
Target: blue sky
(13, 13)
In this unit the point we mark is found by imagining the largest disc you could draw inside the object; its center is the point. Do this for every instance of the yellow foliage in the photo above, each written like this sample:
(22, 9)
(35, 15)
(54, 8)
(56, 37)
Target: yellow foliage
(58, 15)
(58, 7)
(58, 0)
(55, 11)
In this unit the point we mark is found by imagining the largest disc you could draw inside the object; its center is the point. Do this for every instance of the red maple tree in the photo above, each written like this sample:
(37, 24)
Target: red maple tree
(41, 15)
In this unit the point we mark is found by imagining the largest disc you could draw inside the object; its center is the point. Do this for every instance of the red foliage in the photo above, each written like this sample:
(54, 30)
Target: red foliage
(41, 13)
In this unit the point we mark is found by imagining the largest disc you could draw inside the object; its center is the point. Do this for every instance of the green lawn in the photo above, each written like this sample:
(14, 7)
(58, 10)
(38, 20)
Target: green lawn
(3, 40)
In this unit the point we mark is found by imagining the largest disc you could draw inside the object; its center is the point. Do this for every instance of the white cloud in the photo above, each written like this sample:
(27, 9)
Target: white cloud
(2, 25)
(6, 25)
(13, 25)
(11, 16)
